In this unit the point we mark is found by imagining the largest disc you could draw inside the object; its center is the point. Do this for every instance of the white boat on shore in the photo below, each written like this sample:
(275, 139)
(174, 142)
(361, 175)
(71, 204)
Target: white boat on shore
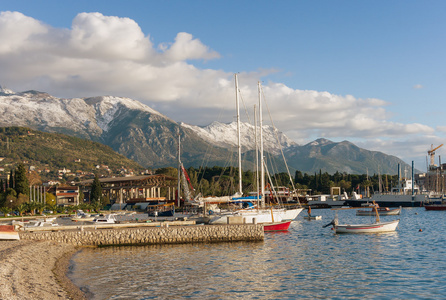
(34, 223)
(105, 219)
(7, 232)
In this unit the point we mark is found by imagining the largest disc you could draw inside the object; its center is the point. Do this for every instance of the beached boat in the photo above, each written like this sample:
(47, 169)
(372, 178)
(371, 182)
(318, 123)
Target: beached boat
(81, 216)
(7, 232)
(382, 211)
(33, 223)
(277, 226)
(376, 227)
(105, 219)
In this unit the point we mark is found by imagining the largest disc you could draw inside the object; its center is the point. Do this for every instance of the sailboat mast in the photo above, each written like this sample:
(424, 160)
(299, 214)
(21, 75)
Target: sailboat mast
(179, 170)
(237, 103)
(257, 154)
(262, 168)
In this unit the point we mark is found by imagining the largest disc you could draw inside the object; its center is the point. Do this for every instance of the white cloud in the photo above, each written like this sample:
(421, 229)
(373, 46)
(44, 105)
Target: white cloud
(106, 55)
(418, 86)
(185, 48)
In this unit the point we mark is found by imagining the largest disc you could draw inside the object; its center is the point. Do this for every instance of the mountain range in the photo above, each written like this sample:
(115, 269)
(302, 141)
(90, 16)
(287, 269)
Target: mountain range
(151, 139)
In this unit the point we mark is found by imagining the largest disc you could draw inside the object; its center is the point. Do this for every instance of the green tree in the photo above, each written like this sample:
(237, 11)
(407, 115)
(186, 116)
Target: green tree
(11, 179)
(50, 199)
(96, 190)
(21, 181)
(21, 208)
(169, 171)
(5, 210)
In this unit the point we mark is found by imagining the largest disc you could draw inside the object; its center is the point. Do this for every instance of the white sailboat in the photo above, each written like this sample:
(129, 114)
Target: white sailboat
(258, 213)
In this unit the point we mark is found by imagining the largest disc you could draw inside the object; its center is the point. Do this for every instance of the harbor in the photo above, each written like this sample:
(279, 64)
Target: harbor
(306, 262)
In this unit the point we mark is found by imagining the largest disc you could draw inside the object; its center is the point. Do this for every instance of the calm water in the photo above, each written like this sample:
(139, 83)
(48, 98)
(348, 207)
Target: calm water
(307, 262)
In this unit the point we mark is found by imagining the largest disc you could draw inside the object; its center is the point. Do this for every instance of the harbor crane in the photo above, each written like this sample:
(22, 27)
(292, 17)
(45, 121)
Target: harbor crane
(431, 153)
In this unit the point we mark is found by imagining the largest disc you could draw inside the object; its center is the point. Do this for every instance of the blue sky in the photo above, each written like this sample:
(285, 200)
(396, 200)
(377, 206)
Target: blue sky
(370, 72)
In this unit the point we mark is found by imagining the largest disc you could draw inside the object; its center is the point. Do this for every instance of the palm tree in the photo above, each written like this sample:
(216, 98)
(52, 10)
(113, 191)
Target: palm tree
(5, 210)
(31, 206)
(21, 208)
(40, 207)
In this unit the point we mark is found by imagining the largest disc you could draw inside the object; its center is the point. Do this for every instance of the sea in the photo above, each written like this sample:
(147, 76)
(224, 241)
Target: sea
(306, 262)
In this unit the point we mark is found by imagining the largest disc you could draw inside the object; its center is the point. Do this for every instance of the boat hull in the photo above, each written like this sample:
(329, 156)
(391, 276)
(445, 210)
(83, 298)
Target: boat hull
(279, 226)
(259, 216)
(7, 232)
(367, 228)
(391, 212)
(249, 217)
(435, 206)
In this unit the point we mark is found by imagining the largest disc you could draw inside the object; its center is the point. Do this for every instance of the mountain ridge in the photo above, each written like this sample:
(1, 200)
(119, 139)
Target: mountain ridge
(146, 136)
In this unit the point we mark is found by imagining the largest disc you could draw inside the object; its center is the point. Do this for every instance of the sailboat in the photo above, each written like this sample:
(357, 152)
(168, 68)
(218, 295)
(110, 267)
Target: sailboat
(257, 213)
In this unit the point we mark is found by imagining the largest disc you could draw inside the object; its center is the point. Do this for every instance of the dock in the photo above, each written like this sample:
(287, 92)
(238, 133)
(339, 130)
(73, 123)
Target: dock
(173, 232)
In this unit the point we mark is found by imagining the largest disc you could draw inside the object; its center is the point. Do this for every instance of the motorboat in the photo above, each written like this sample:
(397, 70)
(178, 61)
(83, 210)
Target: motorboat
(105, 219)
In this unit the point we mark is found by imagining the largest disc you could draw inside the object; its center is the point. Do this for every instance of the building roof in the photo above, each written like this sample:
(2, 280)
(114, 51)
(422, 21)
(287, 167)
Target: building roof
(125, 179)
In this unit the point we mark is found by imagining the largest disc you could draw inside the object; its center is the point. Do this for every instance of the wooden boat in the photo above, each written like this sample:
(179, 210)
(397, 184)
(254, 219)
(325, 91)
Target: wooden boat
(367, 228)
(7, 232)
(382, 211)
(376, 227)
(277, 226)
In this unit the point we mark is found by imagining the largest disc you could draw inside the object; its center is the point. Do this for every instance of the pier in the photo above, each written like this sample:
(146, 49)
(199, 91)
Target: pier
(145, 234)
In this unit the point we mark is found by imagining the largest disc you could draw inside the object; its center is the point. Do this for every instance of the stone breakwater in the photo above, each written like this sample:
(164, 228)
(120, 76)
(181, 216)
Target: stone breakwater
(151, 235)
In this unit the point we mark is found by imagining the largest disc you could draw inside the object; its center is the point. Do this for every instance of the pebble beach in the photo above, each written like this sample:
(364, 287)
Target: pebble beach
(36, 270)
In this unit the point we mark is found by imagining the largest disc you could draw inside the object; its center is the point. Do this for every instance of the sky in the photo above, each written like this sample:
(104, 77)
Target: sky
(369, 72)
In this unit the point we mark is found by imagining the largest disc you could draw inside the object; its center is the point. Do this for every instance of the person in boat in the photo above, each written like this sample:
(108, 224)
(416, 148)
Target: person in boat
(309, 211)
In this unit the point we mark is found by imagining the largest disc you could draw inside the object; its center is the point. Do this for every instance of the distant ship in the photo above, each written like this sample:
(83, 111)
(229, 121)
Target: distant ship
(401, 195)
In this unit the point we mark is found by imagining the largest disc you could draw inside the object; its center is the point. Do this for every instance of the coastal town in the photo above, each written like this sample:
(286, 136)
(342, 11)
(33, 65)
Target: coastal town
(222, 150)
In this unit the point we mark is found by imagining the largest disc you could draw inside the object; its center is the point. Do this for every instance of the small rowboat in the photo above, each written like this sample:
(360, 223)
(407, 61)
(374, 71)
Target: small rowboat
(382, 211)
(375, 227)
(367, 228)
(278, 226)
(7, 232)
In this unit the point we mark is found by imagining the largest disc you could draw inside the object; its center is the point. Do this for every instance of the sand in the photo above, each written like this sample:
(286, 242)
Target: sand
(36, 270)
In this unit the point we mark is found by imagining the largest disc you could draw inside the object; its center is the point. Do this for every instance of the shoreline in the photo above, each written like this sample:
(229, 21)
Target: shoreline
(37, 270)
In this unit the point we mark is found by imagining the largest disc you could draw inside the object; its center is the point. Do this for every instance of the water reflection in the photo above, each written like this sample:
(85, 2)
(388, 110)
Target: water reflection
(307, 262)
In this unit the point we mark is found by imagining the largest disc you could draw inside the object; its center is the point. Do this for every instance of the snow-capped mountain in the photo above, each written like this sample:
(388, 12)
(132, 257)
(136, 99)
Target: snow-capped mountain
(88, 117)
(151, 139)
(225, 135)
